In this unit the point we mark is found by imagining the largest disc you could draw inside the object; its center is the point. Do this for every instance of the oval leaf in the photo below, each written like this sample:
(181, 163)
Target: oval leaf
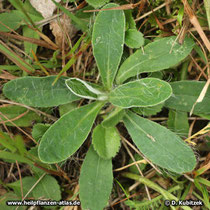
(47, 188)
(140, 93)
(97, 3)
(85, 89)
(160, 145)
(108, 40)
(185, 94)
(38, 91)
(65, 137)
(95, 181)
(134, 38)
(106, 141)
(158, 55)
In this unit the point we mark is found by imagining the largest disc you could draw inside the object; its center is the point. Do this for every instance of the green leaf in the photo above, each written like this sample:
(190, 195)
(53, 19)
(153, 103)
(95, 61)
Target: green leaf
(185, 94)
(28, 46)
(130, 22)
(134, 38)
(133, 168)
(27, 183)
(95, 181)
(158, 55)
(97, 3)
(65, 136)
(20, 145)
(113, 117)
(38, 91)
(28, 13)
(11, 156)
(106, 141)
(178, 122)
(47, 188)
(10, 197)
(140, 93)
(20, 116)
(10, 20)
(38, 130)
(149, 110)
(21, 63)
(84, 89)
(160, 145)
(37, 171)
(108, 41)
(180, 15)
(7, 142)
(64, 108)
(165, 193)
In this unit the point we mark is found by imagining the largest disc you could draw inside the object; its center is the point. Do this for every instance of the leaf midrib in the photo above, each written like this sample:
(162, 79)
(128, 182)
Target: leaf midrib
(139, 128)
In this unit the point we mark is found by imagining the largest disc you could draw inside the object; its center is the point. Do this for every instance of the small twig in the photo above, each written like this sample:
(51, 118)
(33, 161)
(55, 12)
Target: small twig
(133, 159)
(196, 24)
(15, 118)
(40, 178)
(186, 176)
(131, 164)
(30, 108)
(28, 39)
(150, 12)
(30, 137)
(21, 183)
(123, 7)
(137, 151)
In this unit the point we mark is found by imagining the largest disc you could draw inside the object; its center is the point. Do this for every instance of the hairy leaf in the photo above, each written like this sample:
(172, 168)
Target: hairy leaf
(108, 40)
(65, 136)
(134, 38)
(47, 187)
(85, 89)
(140, 93)
(158, 55)
(106, 141)
(160, 145)
(95, 181)
(38, 130)
(185, 94)
(38, 91)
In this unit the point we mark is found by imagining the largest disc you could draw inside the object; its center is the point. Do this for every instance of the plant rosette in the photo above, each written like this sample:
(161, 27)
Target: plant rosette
(120, 89)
